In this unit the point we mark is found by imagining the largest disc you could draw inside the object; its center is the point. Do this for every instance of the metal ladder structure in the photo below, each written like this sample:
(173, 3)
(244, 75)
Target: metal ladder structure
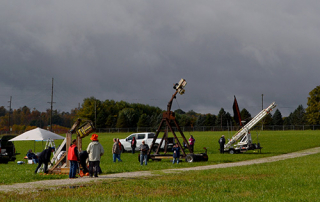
(244, 130)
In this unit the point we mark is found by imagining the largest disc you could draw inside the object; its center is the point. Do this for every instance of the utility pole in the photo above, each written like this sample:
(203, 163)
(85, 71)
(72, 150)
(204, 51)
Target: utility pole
(51, 106)
(9, 113)
(95, 113)
(262, 109)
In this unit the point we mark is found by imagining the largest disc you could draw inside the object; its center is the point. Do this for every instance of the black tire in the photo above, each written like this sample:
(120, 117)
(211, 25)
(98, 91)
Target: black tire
(122, 149)
(12, 159)
(190, 158)
(231, 151)
(204, 157)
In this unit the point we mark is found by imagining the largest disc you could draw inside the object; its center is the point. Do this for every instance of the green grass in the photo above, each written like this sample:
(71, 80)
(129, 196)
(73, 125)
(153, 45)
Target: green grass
(273, 143)
(289, 180)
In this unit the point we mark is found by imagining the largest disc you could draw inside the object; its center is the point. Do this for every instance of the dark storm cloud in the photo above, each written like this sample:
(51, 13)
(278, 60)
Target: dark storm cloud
(136, 50)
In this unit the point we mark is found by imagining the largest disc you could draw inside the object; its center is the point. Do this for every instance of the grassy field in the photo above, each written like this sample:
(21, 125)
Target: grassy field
(289, 180)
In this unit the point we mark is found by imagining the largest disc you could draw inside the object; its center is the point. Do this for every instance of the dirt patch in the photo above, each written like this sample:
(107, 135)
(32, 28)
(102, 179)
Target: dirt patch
(53, 184)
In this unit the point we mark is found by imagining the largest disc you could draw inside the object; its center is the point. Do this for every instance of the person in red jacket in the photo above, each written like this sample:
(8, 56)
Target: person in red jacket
(73, 157)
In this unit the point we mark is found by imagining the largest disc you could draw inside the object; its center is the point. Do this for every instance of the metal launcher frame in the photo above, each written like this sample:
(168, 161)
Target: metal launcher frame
(169, 119)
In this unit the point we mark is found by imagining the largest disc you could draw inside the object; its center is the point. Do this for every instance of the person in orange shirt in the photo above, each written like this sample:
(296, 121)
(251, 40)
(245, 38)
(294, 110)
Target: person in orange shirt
(73, 157)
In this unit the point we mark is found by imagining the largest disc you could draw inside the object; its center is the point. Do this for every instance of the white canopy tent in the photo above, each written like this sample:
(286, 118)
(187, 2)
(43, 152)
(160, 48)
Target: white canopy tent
(37, 134)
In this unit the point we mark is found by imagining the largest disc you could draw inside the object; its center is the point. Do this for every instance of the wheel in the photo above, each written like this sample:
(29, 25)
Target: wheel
(204, 157)
(190, 158)
(12, 159)
(231, 151)
(122, 149)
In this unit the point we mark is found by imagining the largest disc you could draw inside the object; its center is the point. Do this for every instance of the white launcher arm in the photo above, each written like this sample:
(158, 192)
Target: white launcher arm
(249, 125)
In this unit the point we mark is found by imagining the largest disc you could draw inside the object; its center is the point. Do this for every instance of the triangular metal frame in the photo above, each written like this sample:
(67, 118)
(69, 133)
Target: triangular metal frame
(169, 119)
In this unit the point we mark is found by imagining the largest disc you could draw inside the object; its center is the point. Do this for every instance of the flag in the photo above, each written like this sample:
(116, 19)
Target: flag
(236, 112)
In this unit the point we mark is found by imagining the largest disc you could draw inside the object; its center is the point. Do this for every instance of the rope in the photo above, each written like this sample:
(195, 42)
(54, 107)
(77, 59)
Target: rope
(178, 103)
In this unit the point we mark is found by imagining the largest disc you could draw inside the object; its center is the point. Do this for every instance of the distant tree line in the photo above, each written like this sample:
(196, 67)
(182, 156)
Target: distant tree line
(24, 119)
(113, 114)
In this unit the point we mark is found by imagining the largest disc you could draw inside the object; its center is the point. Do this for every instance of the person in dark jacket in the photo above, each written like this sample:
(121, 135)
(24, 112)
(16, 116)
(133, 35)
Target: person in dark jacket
(176, 153)
(222, 141)
(32, 156)
(44, 158)
(144, 148)
(73, 157)
(83, 161)
(133, 145)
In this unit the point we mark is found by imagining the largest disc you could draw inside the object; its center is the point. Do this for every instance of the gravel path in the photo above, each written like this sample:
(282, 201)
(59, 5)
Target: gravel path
(39, 185)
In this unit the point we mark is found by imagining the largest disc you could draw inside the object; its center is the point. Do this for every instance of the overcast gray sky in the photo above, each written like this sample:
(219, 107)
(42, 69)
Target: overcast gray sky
(136, 50)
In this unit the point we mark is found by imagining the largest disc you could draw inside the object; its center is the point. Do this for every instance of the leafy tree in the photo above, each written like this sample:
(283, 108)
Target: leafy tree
(191, 113)
(245, 115)
(277, 118)
(210, 120)
(127, 118)
(56, 118)
(200, 120)
(111, 121)
(298, 117)
(183, 120)
(4, 122)
(101, 119)
(87, 111)
(223, 118)
(268, 120)
(287, 120)
(143, 121)
(3, 111)
(179, 111)
(313, 109)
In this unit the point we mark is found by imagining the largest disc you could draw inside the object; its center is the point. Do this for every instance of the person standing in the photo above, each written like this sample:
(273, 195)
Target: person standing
(44, 158)
(95, 151)
(144, 148)
(191, 143)
(176, 153)
(222, 141)
(120, 148)
(133, 145)
(116, 151)
(73, 157)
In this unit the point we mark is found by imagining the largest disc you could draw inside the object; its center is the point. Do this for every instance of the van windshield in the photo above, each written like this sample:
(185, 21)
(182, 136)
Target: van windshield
(130, 137)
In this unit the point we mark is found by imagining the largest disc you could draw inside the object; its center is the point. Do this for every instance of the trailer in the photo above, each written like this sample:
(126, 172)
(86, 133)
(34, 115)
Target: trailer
(242, 141)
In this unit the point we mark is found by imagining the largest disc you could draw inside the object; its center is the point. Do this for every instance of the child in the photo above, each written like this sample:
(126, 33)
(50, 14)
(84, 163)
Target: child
(176, 153)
